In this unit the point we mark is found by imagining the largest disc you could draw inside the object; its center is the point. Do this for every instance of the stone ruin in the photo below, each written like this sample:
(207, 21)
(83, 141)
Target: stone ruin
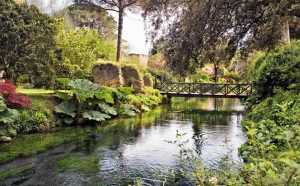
(107, 74)
(148, 80)
(132, 77)
(112, 75)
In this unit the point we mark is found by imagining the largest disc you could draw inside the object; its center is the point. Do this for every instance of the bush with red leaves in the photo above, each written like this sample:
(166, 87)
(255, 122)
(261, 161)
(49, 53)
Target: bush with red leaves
(17, 100)
(7, 89)
(11, 98)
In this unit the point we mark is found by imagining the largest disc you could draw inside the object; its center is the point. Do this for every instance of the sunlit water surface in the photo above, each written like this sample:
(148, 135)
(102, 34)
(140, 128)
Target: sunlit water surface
(132, 148)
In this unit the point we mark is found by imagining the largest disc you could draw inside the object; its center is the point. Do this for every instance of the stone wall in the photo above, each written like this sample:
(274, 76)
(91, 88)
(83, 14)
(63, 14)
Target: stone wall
(107, 74)
(148, 80)
(117, 74)
(132, 77)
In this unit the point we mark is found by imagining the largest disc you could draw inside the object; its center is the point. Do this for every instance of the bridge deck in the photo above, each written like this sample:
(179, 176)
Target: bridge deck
(174, 89)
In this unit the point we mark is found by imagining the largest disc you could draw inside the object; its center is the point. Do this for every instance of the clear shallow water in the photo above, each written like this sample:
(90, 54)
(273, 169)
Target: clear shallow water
(131, 148)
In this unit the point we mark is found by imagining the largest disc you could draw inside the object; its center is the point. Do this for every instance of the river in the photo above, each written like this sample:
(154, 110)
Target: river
(124, 150)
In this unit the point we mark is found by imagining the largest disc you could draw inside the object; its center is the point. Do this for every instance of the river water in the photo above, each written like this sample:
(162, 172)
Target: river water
(125, 150)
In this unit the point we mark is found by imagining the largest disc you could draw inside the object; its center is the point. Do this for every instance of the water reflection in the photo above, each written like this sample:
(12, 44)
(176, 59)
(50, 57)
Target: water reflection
(206, 122)
(128, 148)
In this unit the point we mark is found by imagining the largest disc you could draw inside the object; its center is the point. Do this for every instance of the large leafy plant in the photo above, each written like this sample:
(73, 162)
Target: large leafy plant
(7, 116)
(94, 103)
(83, 105)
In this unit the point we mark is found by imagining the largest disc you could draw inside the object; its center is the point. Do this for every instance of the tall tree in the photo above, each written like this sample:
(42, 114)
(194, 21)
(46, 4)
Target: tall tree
(118, 6)
(86, 17)
(194, 26)
(27, 43)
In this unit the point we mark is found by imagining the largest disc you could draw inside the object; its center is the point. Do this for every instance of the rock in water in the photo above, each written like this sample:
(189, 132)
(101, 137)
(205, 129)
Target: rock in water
(5, 139)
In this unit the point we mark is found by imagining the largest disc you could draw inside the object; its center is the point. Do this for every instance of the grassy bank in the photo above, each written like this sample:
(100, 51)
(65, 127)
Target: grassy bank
(43, 125)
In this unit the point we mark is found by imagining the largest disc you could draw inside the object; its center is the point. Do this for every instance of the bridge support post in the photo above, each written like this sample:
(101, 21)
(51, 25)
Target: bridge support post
(167, 99)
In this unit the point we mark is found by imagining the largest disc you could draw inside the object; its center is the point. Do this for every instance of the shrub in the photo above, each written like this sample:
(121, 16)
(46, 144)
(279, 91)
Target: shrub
(273, 147)
(7, 88)
(200, 76)
(18, 100)
(11, 98)
(35, 119)
(277, 69)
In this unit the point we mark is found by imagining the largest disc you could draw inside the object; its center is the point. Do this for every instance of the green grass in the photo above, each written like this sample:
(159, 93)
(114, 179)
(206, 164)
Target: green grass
(13, 172)
(34, 92)
(75, 163)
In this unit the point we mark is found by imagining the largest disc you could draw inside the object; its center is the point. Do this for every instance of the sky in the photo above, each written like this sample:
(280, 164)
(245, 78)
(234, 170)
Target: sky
(134, 33)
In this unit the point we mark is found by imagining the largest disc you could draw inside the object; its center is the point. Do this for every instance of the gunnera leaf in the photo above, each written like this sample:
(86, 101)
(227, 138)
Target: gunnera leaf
(106, 95)
(3, 106)
(95, 116)
(66, 107)
(84, 89)
(8, 116)
(108, 109)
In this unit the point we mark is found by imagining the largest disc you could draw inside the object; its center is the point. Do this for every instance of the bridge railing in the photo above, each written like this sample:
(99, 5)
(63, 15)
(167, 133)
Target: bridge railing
(205, 89)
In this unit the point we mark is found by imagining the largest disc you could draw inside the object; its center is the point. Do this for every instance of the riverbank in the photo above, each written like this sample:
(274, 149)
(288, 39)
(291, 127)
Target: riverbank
(48, 111)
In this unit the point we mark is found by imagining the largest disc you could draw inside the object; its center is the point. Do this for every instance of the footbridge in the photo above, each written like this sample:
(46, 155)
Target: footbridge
(215, 90)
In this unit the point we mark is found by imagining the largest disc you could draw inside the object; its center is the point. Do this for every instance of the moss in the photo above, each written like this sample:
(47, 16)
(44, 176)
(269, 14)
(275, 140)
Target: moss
(13, 172)
(35, 143)
(75, 163)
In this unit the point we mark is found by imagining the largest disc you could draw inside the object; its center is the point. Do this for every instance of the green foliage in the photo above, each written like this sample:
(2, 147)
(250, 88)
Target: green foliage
(272, 150)
(128, 110)
(97, 103)
(7, 117)
(86, 16)
(66, 108)
(95, 115)
(106, 94)
(122, 92)
(277, 69)
(84, 89)
(27, 43)
(80, 50)
(37, 118)
(184, 43)
(64, 95)
(107, 109)
(64, 82)
(200, 76)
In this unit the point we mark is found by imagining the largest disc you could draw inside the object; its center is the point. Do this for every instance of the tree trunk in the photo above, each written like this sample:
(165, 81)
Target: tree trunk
(120, 31)
(215, 73)
(9, 74)
(285, 32)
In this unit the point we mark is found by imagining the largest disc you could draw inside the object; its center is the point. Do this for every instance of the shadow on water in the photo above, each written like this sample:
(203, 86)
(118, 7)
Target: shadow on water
(122, 150)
